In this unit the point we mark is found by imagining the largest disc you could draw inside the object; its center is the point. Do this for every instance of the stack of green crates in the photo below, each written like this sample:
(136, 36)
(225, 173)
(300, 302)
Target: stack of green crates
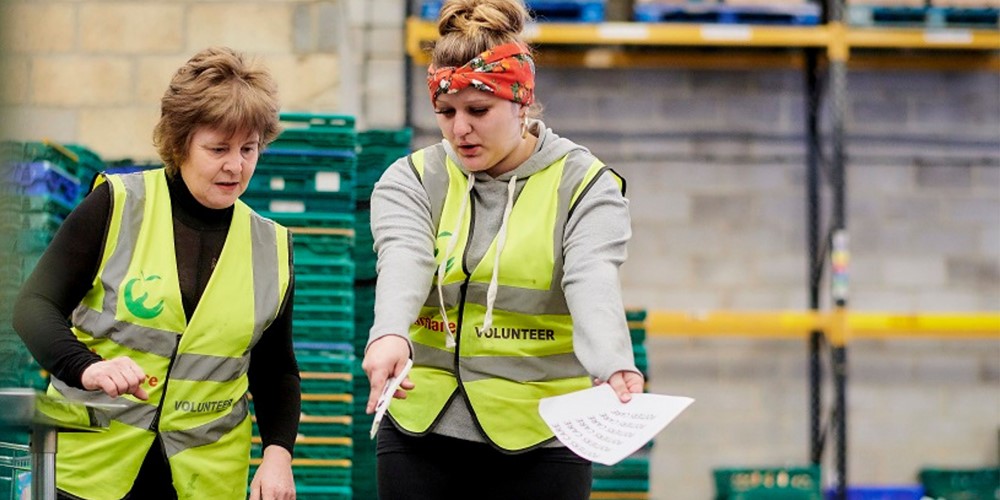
(961, 484)
(305, 181)
(323, 448)
(377, 149)
(39, 186)
(768, 483)
(628, 479)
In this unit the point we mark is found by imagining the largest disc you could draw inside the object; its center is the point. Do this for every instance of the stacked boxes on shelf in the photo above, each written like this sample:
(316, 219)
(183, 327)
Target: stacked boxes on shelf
(41, 184)
(377, 150)
(305, 181)
(628, 479)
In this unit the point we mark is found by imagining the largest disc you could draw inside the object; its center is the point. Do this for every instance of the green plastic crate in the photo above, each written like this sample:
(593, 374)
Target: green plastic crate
(327, 404)
(307, 492)
(385, 137)
(337, 425)
(319, 180)
(323, 295)
(334, 270)
(768, 483)
(326, 363)
(308, 330)
(606, 484)
(961, 484)
(634, 467)
(635, 315)
(337, 243)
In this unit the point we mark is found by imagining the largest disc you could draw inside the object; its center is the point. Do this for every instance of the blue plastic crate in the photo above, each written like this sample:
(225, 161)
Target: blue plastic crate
(580, 11)
(914, 492)
(798, 14)
(41, 178)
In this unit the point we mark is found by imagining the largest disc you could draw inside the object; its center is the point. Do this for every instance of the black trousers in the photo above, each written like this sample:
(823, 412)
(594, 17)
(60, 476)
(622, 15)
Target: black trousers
(434, 467)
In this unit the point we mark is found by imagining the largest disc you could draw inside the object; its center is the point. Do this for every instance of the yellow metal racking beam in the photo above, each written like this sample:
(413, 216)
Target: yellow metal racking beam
(420, 31)
(794, 324)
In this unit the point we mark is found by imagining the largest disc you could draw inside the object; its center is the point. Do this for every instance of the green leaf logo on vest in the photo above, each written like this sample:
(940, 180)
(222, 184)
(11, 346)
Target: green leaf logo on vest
(137, 305)
(451, 260)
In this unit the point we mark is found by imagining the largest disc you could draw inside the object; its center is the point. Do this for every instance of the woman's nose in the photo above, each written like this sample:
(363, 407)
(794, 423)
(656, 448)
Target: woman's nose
(234, 162)
(461, 126)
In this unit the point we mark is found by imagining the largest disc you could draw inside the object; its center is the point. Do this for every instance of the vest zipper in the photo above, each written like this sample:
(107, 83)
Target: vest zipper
(464, 288)
(163, 392)
(462, 293)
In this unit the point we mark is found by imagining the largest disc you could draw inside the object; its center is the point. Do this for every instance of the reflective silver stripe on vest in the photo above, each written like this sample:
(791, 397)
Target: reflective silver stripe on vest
(138, 338)
(434, 170)
(204, 367)
(521, 368)
(103, 324)
(266, 287)
(435, 358)
(175, 442)
(512, 299)
(574, 172)
(135, 414)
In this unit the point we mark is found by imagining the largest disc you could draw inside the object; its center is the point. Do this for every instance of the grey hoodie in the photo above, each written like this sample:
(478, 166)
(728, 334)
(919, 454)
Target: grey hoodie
(593, 247)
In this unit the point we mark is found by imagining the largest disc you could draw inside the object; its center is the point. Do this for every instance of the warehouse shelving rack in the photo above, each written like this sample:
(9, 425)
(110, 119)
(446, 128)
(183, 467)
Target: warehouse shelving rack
(825, 53)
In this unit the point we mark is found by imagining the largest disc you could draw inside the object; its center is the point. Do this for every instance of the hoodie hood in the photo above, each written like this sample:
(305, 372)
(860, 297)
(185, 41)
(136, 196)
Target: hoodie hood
(550, 147)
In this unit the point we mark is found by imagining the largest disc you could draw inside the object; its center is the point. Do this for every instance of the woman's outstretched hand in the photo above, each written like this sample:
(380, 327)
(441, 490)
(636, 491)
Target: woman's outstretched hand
(385, 358)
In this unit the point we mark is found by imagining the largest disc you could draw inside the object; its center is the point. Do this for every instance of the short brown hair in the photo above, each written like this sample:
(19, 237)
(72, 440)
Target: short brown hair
(220, 88)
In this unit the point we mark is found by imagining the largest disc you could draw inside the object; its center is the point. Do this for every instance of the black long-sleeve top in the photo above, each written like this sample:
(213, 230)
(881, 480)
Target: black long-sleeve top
(66, 273)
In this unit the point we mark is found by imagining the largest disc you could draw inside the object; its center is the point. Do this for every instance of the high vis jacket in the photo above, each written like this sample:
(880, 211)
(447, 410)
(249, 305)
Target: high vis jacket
(508, 345)
(196, 370)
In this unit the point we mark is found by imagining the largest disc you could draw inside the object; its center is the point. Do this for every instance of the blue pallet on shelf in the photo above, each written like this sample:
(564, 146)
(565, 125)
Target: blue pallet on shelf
(805, 14)
(931, 17)
(576, 11)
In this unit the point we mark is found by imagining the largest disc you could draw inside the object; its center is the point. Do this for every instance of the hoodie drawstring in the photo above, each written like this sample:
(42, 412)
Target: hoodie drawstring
(452, 241)
(491, 292)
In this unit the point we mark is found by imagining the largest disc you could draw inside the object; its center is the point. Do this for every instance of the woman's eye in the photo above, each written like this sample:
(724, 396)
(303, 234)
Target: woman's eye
(218, 150)
(479, 111)
(445, 112)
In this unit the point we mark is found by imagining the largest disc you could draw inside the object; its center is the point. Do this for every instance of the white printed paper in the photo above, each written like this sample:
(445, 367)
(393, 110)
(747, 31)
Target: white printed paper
(596, 425)
(386, 397)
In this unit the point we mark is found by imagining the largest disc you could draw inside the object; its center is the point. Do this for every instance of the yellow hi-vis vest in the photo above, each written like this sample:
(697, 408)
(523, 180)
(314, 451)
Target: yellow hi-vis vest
(196, 371)
(528, 352)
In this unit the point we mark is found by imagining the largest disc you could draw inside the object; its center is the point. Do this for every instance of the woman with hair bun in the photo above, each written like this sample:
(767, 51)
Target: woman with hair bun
(498, 257)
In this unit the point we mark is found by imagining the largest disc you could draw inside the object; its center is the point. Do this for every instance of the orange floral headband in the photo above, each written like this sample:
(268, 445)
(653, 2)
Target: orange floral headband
(506, 71)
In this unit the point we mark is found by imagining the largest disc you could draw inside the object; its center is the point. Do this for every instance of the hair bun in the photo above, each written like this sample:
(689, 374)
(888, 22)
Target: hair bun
(472, 18)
